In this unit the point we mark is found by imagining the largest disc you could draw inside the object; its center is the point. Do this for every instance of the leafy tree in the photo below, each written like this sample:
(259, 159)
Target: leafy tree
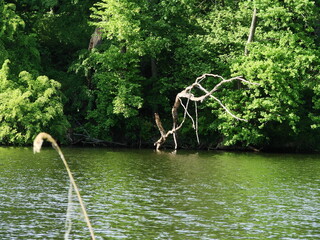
(134, 63)
(283, 59)
(28, 106)
(150, 51)
(15, 44)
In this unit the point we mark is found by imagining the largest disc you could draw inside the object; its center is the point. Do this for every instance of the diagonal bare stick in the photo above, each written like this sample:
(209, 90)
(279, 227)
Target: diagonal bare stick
(37, 143)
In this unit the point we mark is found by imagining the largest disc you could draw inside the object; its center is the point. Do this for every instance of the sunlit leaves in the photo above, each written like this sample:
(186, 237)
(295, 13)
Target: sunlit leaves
(9, 20)
(29, 105)
(283, 59)
(188, 38)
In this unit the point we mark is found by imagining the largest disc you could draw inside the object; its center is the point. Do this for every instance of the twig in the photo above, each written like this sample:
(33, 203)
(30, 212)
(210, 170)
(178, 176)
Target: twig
(196, 127)
(37, 143)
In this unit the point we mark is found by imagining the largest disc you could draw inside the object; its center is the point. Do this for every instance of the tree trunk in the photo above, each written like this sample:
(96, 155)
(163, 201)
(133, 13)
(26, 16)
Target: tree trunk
(252, 30)
(154, 69)
(96, 38)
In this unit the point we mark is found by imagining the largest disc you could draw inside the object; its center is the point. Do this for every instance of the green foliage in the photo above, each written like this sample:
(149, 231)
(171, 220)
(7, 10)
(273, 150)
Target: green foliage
(186, 39)
(10, 21)
(20, 47)
(150, 51)
(28, 106)
(116, 94)
(283, 59)
(122, 80)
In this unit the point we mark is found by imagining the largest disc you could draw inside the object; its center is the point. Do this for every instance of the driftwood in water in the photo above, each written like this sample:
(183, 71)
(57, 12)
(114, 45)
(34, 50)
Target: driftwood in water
(88, 140)
(187, 93)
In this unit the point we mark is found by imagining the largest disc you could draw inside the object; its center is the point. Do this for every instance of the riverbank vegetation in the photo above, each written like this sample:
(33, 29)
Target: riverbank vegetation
(142, 53)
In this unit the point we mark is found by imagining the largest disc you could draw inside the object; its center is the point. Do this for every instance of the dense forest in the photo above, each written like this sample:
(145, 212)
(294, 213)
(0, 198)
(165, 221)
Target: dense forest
(96, 71)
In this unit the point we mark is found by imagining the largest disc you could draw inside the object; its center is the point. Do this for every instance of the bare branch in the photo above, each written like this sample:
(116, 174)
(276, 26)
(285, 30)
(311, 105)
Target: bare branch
(162, 131)
(186, 93)
(196, 126)
(186, 113)
(227, 110)
(223, 106)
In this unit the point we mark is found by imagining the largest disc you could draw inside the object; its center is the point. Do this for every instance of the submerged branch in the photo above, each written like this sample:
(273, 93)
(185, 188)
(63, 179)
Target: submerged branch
(186, 93)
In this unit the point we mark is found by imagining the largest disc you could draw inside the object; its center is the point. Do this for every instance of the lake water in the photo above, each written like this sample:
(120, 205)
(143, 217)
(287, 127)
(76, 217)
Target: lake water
(140, 194)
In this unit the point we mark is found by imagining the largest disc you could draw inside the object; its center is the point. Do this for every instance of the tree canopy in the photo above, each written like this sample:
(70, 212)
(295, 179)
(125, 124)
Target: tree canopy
(148, 51)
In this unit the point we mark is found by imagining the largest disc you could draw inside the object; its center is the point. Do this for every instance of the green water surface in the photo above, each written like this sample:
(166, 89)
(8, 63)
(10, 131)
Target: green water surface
(141, 194)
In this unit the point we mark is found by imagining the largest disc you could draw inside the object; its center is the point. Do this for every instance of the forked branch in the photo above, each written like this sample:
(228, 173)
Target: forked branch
(187, 93)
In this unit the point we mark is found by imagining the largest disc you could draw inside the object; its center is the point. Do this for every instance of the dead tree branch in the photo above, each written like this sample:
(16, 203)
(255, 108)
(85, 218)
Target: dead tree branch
(187, 93)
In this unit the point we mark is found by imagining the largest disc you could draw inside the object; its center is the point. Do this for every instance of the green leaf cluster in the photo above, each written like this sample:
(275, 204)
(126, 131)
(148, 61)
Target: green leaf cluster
(29, 101)
(283, 59)
(29, 105)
